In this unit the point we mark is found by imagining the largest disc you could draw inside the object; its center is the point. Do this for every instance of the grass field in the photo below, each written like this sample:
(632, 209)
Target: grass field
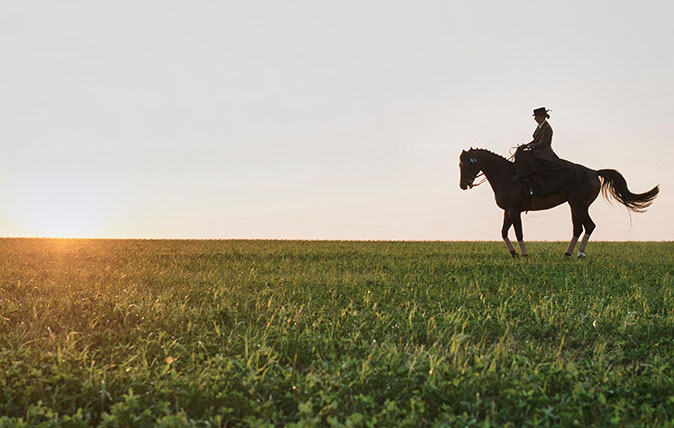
(268, 333)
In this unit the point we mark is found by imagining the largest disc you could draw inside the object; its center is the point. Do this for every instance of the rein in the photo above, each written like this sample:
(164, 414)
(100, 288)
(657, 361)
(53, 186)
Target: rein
(481, 174)
(512, 155)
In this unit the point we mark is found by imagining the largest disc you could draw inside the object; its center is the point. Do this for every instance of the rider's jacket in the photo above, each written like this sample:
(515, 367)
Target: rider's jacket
(541, 145)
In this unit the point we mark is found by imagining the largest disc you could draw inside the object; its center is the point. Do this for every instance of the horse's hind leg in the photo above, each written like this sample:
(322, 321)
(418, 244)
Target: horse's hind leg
(504, 234)
(589, 226)
(580, 202)
(577, 230)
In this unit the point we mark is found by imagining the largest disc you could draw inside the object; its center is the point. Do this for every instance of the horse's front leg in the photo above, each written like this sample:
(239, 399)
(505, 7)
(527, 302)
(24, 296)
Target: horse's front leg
(504, 234)
(516, 218)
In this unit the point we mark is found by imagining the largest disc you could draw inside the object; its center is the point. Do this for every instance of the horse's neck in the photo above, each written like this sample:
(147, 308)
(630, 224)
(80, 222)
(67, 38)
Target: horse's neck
(495, 168)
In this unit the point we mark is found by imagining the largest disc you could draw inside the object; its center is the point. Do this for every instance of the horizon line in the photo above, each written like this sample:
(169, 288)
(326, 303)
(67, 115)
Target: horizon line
(298, 239)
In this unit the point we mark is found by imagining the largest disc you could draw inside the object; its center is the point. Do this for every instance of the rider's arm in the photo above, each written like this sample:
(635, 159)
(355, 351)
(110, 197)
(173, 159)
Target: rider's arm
(543, 139)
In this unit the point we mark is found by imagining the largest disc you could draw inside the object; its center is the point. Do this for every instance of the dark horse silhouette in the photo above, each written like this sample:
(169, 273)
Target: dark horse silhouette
(513, 198)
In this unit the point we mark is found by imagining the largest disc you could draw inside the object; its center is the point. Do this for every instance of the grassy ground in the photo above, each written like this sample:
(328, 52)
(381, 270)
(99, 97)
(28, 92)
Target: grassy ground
(260, 333)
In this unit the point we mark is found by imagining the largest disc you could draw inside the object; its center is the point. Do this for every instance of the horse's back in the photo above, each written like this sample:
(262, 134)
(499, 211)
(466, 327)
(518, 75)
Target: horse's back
(565, 176)
(584, 173)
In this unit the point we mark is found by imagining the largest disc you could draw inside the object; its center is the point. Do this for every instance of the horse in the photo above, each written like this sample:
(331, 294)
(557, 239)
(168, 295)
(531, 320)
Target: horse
(514, 198)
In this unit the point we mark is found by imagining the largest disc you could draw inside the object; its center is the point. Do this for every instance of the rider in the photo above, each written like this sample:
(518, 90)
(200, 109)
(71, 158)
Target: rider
(532, 158)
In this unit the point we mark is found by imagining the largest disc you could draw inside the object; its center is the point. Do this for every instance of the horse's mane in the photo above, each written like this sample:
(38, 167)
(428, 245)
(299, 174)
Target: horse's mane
(491, 153)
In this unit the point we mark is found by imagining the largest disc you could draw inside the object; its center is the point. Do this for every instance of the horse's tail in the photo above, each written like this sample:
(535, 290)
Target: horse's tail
(614, 184)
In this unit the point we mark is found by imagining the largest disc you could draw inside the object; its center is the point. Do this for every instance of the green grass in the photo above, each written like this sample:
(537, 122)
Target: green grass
(269, 333)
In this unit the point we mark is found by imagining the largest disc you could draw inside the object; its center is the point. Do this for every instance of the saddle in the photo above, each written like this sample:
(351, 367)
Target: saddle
(559, 176)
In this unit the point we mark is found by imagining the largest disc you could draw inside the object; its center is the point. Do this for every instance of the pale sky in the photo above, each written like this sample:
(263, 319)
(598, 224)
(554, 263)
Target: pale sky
(321, 120)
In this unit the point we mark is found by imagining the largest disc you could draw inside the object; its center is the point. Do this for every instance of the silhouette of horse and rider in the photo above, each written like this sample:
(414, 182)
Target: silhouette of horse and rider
(539, 180)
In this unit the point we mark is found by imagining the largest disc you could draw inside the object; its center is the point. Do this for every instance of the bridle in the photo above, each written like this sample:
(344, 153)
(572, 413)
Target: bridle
(478, 175)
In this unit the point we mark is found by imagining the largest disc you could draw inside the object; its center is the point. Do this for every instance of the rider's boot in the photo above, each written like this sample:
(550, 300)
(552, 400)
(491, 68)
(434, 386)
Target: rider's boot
(525, 181)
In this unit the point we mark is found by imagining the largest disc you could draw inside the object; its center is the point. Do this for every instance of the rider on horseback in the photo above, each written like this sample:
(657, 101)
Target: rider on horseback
(536, 157)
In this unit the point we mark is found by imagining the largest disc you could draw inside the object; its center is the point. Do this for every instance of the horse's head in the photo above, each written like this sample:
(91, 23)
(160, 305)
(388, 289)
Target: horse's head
(470, 168)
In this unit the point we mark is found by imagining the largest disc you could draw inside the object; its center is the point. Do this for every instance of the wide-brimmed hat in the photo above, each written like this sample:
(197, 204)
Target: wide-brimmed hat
(541, 111)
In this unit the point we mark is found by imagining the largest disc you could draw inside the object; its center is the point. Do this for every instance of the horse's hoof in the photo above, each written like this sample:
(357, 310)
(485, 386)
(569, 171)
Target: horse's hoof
(581, 256)
(567, 254)
(525, 255)
(515, 255)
